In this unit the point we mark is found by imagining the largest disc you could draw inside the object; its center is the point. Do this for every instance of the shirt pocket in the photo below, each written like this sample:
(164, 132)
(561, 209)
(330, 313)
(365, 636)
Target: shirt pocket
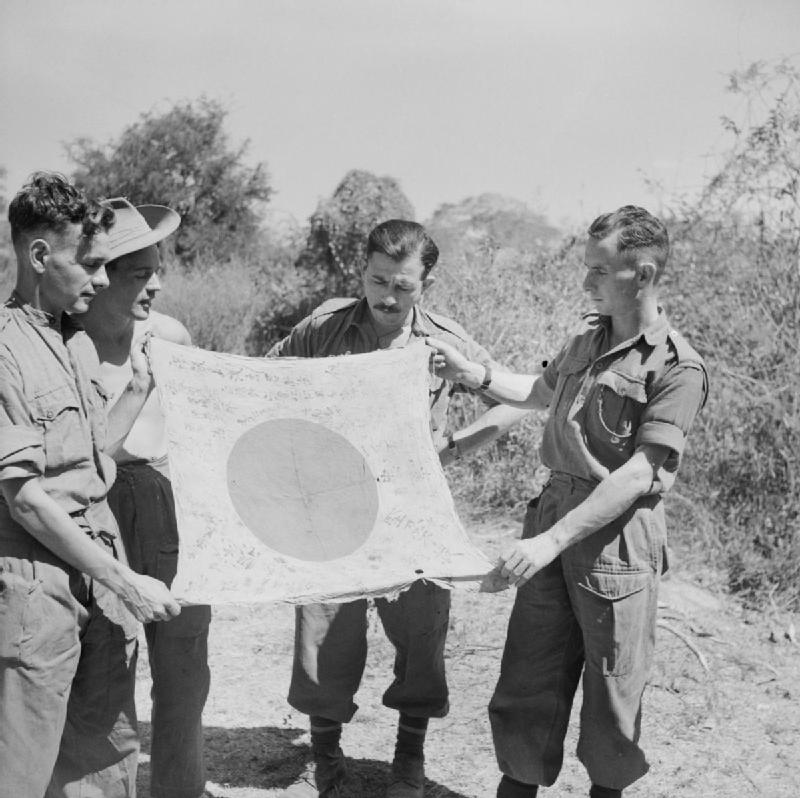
(617, 408)
(570, 371)
(58, 414)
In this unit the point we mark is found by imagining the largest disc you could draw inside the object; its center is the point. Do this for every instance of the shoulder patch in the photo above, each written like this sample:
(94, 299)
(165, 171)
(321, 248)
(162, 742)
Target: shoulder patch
(333, 306)
(448, 325)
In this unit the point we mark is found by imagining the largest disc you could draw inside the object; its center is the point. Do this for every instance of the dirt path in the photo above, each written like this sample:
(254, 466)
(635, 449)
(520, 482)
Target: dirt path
(728, 732)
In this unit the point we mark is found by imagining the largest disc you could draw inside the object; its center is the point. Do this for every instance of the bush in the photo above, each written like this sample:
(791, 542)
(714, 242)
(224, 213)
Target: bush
(182, 158)
(740, 304)
(219, 304)
(329, 265)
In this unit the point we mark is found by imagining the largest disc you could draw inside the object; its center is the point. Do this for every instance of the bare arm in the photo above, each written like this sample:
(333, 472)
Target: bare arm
(524, 391)
(610, 499)
(168, 328)
(125, 411)
(123, 415)
(41, 516)
(487, 427)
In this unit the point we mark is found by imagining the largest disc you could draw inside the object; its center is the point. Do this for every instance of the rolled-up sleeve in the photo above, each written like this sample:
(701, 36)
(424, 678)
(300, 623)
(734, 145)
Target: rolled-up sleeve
(671, 410)
(550, 373)
(21, 441)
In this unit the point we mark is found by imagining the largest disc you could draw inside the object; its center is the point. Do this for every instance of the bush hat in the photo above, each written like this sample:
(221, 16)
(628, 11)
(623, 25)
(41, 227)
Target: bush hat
(140, 227)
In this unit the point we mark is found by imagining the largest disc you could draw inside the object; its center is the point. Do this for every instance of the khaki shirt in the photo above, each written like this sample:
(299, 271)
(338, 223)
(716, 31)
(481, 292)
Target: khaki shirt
(607, 402)
(344, 327)
(52, 410)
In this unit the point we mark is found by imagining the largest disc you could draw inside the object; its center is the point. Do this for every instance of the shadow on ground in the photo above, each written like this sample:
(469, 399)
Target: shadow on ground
(270, 759)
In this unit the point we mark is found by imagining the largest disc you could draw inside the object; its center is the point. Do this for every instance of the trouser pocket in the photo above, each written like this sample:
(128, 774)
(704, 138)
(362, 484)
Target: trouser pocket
(17, 613)
(616, 612)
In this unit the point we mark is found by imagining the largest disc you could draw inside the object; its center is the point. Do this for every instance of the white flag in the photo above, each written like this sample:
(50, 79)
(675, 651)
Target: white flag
(306, 480)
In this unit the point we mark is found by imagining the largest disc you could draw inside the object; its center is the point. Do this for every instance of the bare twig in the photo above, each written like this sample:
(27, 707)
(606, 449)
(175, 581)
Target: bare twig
(687, 642)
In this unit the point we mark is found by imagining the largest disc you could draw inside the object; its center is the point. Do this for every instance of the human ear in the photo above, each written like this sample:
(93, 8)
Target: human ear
(38, 250)
(646, 272)
(427, 283)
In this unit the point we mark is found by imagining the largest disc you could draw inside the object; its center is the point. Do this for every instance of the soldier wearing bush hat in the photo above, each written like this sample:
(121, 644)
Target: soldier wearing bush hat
(142, 500)
(621, 397)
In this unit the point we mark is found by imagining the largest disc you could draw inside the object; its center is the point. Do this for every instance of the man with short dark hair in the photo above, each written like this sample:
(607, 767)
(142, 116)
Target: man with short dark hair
(69, 604)
(142, 500)
(621, 396)
(330, 644)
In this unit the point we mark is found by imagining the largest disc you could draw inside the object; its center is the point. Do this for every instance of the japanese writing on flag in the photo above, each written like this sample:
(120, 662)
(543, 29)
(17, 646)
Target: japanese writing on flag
(306, 480)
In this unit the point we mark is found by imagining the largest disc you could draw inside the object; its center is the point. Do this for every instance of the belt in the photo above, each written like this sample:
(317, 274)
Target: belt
(575, 483)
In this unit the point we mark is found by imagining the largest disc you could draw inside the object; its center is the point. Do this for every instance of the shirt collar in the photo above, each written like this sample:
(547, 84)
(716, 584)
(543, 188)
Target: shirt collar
(37, 316)
(420, 323)
(657, 332)
(653, 335)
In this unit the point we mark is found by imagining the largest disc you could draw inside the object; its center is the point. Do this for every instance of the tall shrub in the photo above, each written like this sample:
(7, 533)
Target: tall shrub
(740, 299)
(329, 264)
(182, 158)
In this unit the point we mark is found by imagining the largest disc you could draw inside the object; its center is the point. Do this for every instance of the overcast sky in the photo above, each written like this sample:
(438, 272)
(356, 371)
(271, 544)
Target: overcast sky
(565, 104)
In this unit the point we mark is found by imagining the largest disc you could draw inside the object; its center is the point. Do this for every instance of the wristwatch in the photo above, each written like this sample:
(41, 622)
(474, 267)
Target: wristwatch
(487, 378)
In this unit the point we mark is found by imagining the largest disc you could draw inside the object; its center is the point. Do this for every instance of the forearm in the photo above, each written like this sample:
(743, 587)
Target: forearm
(486, 428)
(516, 390)
(46, 521)
(607, 502)
(611, 498)
(124, 413)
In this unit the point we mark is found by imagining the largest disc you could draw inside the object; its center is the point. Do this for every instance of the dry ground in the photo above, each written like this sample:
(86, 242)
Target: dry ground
(731, 731)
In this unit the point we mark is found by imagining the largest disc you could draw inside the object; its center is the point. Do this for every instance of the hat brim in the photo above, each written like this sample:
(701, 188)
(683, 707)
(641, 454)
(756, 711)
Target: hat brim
(161, 220)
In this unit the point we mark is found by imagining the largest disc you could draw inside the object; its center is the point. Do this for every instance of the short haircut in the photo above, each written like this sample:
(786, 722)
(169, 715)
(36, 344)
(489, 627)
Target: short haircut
(49, 202)
(399, 239)
(638, 229)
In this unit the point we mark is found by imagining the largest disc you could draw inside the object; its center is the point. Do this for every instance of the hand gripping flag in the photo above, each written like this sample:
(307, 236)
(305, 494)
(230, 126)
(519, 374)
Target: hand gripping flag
(306, 480)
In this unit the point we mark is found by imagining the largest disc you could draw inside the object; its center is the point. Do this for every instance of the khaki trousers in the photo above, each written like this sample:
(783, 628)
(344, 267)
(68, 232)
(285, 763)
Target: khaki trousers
(67, 674)
(331, 650)
(591, 612)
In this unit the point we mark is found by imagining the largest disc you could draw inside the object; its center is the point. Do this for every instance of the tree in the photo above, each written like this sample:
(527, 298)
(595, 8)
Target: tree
(339, 227)
(330, 263)
(182, 158)
(488, 223)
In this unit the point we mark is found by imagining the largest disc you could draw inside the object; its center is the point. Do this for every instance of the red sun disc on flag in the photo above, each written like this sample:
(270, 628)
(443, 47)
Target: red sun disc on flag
(302, 489)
